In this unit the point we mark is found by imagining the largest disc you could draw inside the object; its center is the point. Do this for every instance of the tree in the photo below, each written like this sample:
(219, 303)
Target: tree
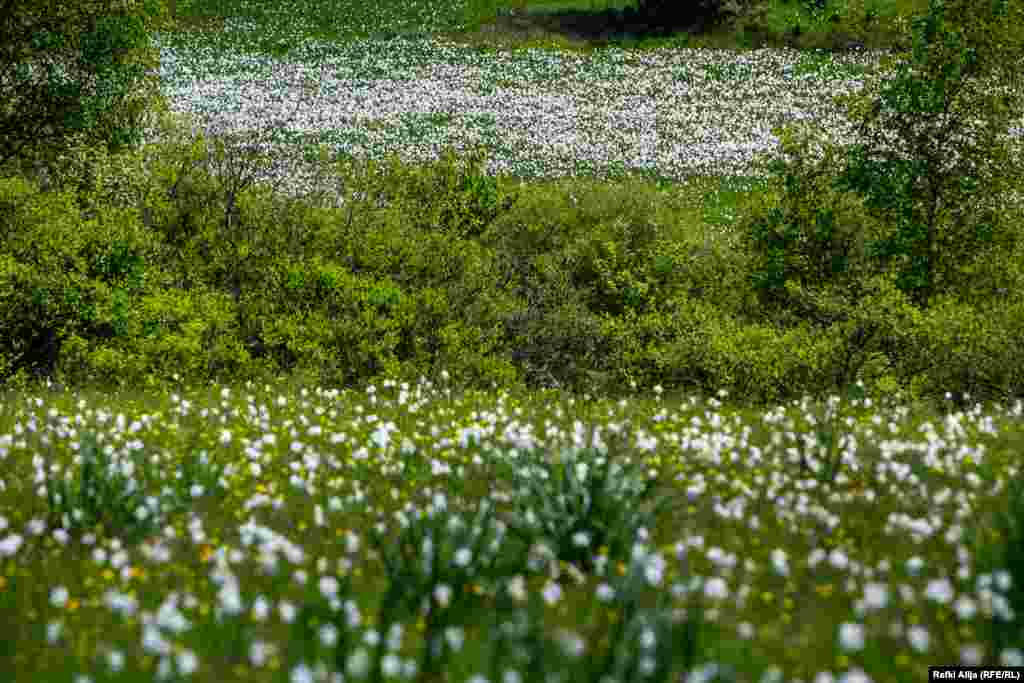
(934, 165)
(936, 160)
(75, 70)
(862, 240)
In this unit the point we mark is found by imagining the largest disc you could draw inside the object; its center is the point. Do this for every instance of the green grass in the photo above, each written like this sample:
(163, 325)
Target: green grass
(737, 487)
(259, 532)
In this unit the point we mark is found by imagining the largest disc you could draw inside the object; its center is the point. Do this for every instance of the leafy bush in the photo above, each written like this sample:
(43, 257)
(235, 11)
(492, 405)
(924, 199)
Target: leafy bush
(228, 279)
(193, 334)
(91, 299)
(613, 253)
(859, 240)
(353, 292)
(64, 274)
(391, 300)
(805, 232)
(455, 196)
(753, 362)
(967, 350)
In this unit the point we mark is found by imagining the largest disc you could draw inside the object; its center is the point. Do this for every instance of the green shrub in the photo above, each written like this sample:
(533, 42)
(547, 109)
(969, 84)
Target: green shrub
(453, 194)
(858, 240)
(604, 279)
(571, 265)
(370, 296)
(806, 232)
(356, 291)
(754, 363)
(695, 346)
(91, 299)
(167, 333)
(967, 350)
(225, 278)
(65, 274)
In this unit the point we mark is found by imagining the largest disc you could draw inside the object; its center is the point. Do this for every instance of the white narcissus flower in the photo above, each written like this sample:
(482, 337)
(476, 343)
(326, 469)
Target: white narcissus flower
(552, 593)
(851, 637)
(443, 595)
(716, 588)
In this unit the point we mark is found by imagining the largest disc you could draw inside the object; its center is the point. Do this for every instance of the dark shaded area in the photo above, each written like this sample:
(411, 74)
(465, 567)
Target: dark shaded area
(595, 29)
(610, 25)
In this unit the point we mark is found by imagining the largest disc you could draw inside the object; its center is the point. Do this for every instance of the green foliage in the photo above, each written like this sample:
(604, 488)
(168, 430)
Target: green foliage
(806, 232)
(858, 240)
(201, 475)
(753, 362)
(63, 275)
(315, 611)
(696, 346)
(165, 333)
(582, 500)
(452, 195)
(936, 150)
(183, 256)
(99, 84)
(106, 497)
(98, 177)
(434, 557)
(630, 633)
(811, 263)
(967, 349)
(352, 330)
(391, 300)
(575, 260)
(87, 299)
(226, 279)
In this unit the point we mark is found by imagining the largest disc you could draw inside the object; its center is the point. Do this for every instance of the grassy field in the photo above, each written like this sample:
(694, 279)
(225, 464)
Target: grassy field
(284, 534)
(424, 532)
